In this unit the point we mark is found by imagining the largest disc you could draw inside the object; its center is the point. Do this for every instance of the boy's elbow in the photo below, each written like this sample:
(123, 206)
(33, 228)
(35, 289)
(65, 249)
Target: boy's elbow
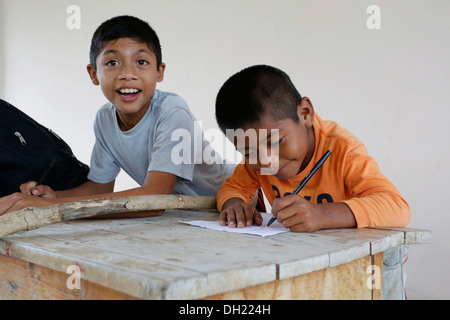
(405, 214)
(400, 211)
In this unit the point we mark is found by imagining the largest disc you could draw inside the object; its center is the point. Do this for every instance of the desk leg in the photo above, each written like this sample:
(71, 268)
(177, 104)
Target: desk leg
(377, 291)
(350, 281)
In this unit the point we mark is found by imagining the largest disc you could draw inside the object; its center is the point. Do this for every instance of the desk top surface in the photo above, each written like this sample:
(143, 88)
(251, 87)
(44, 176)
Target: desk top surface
(162, 258)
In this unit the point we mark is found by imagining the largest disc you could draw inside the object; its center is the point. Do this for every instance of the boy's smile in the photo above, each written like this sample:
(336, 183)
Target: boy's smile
(128, 94)
(295, 143)
(127, 74)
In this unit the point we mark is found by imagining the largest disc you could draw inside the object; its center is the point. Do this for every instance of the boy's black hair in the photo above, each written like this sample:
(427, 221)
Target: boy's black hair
(124, 27)
(255, 92)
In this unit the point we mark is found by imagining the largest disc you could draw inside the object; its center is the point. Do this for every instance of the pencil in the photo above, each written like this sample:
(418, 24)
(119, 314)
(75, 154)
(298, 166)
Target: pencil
(306, 179)
(45, 174)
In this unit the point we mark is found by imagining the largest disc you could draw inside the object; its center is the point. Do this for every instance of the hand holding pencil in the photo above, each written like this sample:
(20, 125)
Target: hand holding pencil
(38, 188)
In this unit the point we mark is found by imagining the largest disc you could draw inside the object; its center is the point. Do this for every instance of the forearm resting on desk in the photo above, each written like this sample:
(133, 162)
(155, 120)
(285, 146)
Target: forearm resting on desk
(156, 183)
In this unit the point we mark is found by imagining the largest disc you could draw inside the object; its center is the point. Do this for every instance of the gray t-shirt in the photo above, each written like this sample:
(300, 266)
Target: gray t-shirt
(149, 147)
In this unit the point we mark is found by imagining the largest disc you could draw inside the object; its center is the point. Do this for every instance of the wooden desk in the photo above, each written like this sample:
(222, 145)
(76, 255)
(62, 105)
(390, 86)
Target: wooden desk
(161, 258)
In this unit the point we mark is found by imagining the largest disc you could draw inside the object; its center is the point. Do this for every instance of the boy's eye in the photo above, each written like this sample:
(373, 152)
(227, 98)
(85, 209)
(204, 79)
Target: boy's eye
(111, 63)
(142, 62)
(276, 142)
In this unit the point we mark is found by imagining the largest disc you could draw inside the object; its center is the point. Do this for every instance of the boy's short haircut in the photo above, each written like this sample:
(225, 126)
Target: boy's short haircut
(124, 27)
(253, 93)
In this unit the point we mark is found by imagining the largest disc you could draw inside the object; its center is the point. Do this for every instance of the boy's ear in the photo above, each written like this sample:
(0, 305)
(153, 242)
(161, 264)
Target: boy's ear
(93, 74)
(305, 112)
(161, 70)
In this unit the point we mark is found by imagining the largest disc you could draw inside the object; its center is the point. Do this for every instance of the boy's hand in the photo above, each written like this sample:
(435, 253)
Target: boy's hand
(17, 201)
(300, 215)
(239, 214)
(297, 214)
(31, 188)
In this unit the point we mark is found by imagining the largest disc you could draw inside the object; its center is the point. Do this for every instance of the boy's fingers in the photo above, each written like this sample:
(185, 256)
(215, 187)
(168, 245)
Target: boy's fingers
(222, 220)
(44, 192)
(11, 203)
(257, 218)
(27, 187)
(240, 217)
(291, 220)
(223, 217)
(231, 218)
(38, 190)
(286, 213)
(278, 204)
(249, 214)
(280, 208)
(5, 204)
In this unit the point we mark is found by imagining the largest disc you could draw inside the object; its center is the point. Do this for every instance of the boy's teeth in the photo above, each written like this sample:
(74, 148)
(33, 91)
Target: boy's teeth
(128, 90)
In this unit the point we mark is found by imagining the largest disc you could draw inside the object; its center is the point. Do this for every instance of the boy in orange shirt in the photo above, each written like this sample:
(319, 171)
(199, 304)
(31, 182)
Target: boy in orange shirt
(348, 191)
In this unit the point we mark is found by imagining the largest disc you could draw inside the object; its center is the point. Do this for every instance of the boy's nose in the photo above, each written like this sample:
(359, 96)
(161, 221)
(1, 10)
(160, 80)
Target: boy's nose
(128, 72)
(264, 161)
(265, 166)
(269, 165)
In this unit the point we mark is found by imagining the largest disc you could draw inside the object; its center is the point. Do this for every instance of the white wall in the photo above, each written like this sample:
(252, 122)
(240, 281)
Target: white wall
(390, 87)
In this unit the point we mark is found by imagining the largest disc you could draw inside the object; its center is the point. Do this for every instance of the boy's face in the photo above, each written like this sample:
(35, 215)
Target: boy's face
(127, 74)
(283, 145)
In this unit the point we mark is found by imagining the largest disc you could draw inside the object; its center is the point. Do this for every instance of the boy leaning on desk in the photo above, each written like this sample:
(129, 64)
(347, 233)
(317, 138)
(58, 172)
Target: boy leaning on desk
(349, 189)
(133, 130)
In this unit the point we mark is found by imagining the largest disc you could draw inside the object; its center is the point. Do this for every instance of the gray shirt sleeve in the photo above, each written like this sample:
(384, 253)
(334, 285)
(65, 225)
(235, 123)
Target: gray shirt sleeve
(175, 137)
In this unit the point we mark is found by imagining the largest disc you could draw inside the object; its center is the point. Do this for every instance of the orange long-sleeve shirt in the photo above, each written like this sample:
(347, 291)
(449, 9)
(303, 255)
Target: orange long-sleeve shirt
(349, 175)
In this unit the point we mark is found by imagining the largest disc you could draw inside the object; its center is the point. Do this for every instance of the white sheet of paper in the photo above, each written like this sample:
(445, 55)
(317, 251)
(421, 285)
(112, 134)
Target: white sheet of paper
(262, 230)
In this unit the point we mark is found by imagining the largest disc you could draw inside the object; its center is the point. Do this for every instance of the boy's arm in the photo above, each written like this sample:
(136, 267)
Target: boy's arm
(155, 183)
(85, 189)
(375, 200)
(242, 184)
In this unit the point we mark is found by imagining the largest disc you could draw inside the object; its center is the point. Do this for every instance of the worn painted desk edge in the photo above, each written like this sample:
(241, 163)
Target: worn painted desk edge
(399, 236)
(412, 235)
